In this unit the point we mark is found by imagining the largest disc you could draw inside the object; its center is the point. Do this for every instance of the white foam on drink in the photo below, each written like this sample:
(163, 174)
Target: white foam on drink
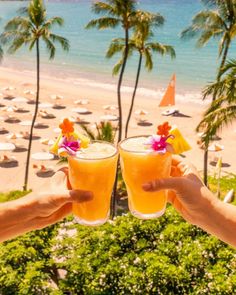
(135, 144)
(97, 150)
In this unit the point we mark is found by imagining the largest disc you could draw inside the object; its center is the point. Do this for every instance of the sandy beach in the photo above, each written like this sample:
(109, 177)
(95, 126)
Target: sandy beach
(190, 115)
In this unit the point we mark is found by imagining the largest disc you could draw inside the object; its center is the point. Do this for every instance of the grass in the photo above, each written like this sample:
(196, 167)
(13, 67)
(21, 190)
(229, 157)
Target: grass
(13, 195)
(226, 184)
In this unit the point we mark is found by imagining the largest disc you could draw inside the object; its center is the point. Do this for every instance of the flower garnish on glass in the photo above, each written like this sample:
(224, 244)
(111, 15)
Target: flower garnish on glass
(158, 143)
(145, 158)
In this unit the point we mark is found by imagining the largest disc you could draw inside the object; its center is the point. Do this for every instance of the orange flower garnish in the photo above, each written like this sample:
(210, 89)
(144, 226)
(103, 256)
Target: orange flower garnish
(66, 127)
(163, 129)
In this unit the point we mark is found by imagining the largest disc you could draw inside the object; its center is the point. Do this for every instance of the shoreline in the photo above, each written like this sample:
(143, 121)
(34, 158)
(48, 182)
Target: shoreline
(191, 113)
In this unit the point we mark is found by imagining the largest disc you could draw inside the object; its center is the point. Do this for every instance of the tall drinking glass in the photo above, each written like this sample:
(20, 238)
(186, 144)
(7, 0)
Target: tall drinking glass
(94, 169)
(140, 166)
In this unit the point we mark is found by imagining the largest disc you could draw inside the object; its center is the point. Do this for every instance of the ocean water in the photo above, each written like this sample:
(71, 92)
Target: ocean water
(86, 63)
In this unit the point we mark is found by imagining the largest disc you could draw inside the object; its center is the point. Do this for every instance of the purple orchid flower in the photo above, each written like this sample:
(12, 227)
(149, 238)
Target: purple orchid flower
(68, 146)
(158, 143)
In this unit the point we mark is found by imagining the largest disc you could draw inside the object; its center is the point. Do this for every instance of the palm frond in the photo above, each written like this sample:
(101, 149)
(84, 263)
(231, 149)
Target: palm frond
(148, 59)
(61, 40)
(115, 47)
(88, 131)
(117, 67)
(50, 47)
(162, 49)
(214, 121)
(17, 43)
(1, 53)
(103, 23)
(102, 8)
(53, 21)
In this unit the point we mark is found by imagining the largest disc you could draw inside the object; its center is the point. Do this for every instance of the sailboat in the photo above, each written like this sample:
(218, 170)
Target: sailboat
(169, 98)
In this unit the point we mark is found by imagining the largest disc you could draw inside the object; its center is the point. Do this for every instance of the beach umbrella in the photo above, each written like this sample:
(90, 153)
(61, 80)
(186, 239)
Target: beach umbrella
(110, 107)
(45, 105)
(108, 118)
(9, 109)
(20, 99)
(57, 130)
(3, 130)
(25, 123)
(5, 146)
(42, 156)
(80, 110)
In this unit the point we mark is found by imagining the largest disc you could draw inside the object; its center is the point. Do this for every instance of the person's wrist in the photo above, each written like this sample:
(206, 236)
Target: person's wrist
(208, 217)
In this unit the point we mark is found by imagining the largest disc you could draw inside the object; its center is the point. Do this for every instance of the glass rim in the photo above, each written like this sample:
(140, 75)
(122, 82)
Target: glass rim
(133, 151)
(103, 158)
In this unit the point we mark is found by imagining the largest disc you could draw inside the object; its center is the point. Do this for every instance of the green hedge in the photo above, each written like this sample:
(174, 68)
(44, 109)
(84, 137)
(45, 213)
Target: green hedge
(130, 256)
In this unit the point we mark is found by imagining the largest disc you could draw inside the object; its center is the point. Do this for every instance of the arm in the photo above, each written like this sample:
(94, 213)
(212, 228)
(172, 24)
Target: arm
(192, 199)
(38, 210)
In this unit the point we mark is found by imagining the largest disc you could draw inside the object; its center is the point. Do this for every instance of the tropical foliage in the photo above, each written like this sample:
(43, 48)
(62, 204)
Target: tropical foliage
(217, 21)
(29, 29)
(222, 111)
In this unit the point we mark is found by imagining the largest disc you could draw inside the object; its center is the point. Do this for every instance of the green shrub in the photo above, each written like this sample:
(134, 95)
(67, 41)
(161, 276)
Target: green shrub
(130, 256)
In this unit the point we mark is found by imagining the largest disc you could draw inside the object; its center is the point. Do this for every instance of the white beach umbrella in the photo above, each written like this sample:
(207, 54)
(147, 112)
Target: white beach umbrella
(42, 156)
(108, 118)
(9, 109)
(20, 99)
(25, 123)
(45, 105)
(47, 141)
(80, 110)
(5, 146)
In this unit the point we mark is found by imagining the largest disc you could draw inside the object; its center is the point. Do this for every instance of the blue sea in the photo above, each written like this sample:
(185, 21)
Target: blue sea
(86, 60)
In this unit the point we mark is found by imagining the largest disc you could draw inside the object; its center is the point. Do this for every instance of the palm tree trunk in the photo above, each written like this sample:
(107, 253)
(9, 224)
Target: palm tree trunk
(134, 94)
(225, 53)
(120, 83)
(34, 118)
(205, 168)
(113, 199)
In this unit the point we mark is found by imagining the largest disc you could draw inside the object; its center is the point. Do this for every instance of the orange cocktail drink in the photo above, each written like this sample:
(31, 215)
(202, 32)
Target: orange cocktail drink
(94, 169)
(139, 165)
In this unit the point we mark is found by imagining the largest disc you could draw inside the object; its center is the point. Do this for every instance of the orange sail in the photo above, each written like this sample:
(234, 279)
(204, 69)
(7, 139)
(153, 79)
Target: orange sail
(169, 97)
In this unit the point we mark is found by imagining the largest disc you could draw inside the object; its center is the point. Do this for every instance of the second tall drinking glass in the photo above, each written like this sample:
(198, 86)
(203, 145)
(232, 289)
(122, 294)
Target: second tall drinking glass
(140, 166)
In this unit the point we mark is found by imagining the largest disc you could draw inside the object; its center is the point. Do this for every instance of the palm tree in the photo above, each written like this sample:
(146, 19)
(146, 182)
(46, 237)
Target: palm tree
(116, 13)
(141, 41)
(28, 29)
(223, 110)
(217, 21)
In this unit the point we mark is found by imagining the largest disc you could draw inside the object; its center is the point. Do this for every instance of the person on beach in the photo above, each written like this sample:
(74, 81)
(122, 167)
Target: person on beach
(196, 203)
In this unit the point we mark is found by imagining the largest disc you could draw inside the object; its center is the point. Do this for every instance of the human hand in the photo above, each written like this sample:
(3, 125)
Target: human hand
(186, 192)
(56, 202)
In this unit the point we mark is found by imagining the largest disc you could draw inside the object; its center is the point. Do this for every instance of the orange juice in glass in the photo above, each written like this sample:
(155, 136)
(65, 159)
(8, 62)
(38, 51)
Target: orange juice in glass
(94, 169)
(140, 165)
